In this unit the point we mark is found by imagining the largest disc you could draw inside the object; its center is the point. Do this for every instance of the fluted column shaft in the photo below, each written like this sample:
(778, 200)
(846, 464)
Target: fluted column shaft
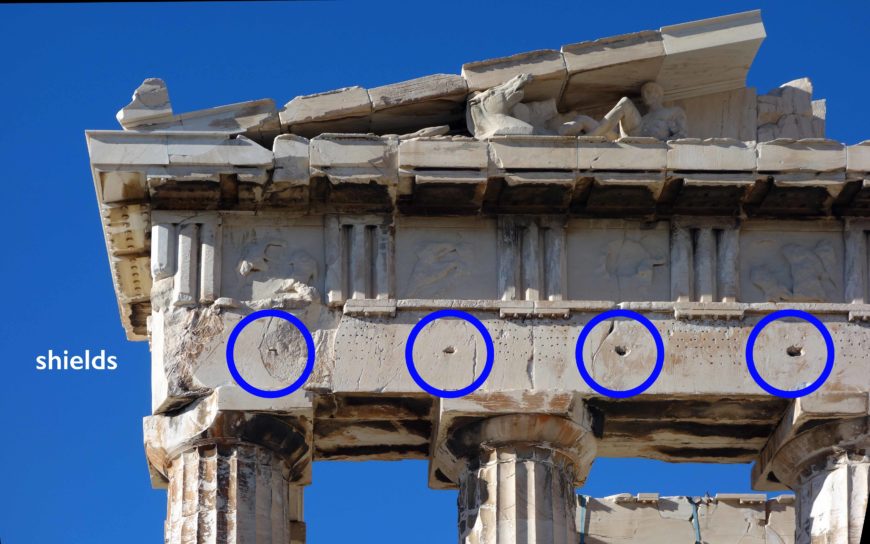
(232, 494)
(832, 501)
(519, 494)
(517, 474)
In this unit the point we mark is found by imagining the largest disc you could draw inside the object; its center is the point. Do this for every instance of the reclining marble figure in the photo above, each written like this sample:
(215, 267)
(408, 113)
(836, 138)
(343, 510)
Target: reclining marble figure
(659, 122)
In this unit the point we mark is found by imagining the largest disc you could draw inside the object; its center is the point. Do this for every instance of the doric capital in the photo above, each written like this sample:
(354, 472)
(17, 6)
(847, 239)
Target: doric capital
(468, 429)
(289, 438)
(817, 448)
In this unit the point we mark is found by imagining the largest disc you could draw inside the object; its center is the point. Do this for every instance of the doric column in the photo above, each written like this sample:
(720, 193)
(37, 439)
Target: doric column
(828, 467)
(232, 477)
(517, 478)
(232, 493)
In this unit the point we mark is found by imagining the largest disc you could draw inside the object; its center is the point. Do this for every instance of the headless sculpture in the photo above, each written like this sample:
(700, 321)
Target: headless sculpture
(659, 122)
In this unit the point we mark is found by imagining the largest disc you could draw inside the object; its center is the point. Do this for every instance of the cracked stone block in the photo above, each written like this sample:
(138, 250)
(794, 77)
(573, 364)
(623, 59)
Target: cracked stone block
(327, 106)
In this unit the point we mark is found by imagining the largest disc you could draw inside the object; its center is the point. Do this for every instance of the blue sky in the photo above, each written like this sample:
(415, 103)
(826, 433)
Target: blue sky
(71, 448)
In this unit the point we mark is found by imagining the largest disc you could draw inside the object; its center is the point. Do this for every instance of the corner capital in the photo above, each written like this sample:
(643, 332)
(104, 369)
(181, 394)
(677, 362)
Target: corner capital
(205, 423)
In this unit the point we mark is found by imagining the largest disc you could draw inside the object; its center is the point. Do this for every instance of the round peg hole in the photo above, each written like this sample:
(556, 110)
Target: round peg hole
(794, 351)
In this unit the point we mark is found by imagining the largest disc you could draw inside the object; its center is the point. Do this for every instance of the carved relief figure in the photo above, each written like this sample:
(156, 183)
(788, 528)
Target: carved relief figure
(807, 279)
(632, 263)
(439, 264)
(280, 276)
(501, 111)
(544, 115)
(659, 122)
(490, 112)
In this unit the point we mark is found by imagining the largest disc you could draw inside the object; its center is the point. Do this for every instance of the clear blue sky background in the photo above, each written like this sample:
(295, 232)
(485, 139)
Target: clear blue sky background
(70, 446)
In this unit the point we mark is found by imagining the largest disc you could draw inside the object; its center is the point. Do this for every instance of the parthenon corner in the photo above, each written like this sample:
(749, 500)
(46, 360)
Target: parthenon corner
(611, 249)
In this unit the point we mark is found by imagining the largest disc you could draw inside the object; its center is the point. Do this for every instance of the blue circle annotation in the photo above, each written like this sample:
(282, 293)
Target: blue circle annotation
(409, 353)
(309, 363)
(581, 365)
(796, 314)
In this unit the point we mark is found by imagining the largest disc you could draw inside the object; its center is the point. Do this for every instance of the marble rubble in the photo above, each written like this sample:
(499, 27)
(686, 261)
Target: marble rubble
(534, 192)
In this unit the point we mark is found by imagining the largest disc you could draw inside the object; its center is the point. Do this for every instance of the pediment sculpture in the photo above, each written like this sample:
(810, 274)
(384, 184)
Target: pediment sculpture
(500, 110)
